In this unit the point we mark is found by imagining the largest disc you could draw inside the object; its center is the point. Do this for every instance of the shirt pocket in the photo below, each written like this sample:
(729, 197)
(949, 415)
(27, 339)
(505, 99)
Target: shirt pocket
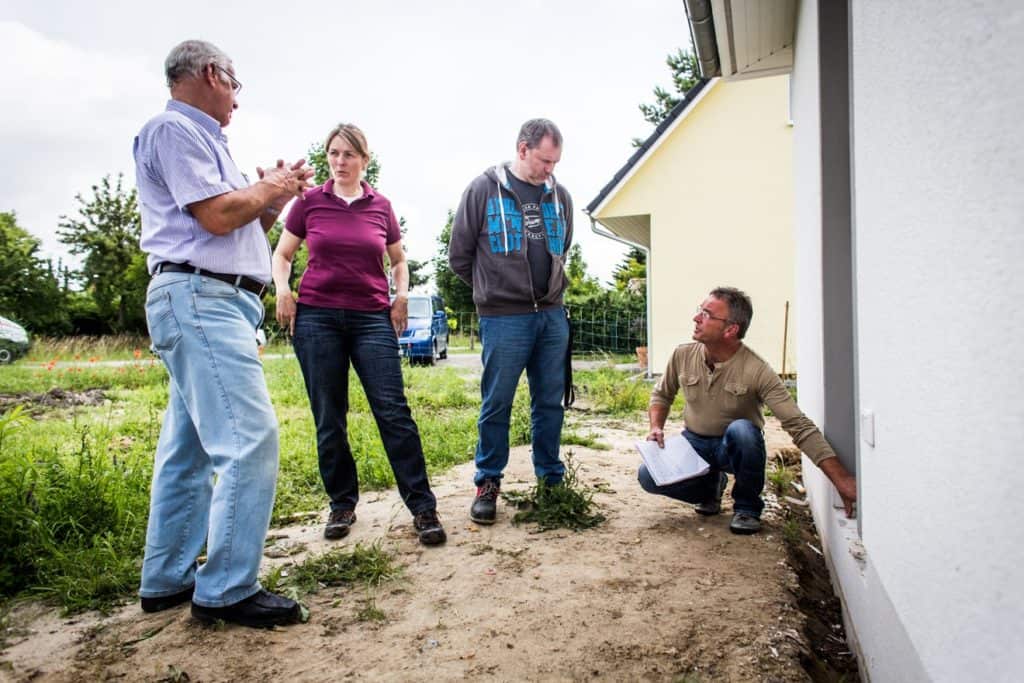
(736, 394)
(691, 387)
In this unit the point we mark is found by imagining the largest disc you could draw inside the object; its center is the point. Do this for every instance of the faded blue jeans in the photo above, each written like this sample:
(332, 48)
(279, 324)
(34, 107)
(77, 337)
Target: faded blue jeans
(216, 460)
(535, 342)
(739, 451)
(326, 341)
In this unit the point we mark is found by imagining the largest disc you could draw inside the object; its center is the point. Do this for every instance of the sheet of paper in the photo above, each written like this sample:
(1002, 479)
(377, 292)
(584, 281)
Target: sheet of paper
(675, 462)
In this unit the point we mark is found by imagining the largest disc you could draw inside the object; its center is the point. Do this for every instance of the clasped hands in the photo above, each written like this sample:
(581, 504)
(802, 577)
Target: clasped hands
(289, 179)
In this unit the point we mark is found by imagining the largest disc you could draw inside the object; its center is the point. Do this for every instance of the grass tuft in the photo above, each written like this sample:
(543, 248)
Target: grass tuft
(568, 505)
(367, 565)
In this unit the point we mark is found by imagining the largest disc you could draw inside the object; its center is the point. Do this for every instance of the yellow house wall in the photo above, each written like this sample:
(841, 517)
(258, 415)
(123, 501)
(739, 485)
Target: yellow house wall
(719, 191)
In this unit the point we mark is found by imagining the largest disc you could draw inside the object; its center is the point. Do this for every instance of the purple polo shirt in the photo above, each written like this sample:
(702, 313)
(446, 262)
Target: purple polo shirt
(346, 244)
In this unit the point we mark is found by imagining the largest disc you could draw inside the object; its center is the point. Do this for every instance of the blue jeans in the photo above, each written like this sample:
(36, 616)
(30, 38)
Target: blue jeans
(536, 342)
(739, 451)
(216, 460)
(326, 341)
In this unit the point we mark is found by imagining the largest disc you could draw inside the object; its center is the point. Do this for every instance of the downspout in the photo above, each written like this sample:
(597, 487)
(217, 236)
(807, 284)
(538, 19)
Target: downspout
(602, 233)
(702, 36)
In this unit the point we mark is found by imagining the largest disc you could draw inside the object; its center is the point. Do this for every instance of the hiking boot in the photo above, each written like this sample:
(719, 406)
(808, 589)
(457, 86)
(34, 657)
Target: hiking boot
(744, 523)
(485, 505)
(714, 505)
(339, 523)
(260, 610)
(429, 528)
(166, 601)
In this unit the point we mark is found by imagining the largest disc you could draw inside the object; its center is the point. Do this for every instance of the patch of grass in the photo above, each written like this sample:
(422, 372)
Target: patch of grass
(573, 438)
(365, 565)
(791, 530)
(613, 392)
(84, 348)
(780, 477)
(568, 505)
(370, 612)
(22, 379)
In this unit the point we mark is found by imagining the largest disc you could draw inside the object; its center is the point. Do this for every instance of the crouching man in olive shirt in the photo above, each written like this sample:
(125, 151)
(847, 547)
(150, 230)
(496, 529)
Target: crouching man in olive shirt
(726, 387)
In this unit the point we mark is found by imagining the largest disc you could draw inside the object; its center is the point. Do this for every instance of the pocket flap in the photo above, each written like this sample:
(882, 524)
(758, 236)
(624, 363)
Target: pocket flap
(735, 388)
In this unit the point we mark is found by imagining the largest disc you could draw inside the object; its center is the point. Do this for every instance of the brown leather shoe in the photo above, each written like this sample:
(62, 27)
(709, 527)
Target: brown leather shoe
(339, 523)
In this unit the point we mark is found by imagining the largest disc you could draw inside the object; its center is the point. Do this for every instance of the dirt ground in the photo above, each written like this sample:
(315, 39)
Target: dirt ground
(654, 593)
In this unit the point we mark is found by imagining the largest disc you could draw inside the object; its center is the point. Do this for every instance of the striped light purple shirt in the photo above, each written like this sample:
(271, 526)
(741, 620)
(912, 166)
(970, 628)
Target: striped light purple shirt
(181, 157)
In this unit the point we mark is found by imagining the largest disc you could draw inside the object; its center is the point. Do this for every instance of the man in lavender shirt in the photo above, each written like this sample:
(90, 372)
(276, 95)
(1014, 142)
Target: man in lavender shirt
(203, 228)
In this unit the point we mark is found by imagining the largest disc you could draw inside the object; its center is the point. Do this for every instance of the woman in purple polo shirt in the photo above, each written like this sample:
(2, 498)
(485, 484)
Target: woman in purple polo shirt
(343, 315)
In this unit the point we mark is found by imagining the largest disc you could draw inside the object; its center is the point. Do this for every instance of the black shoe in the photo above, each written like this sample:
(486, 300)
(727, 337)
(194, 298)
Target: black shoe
(261, 610)
(428, 526)
(339, 523)
(744, 523)
(713, 506)
(485, 505)
(166, 601)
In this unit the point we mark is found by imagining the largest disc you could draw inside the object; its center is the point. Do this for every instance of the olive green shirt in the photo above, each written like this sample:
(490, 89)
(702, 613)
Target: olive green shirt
(737, 389)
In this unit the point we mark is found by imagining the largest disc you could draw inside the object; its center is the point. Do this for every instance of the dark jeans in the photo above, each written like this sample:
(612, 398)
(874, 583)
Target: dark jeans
(326, 339)
(739, 451)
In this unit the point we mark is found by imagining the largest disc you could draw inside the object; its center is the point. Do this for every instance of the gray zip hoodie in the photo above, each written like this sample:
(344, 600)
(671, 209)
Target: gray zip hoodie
(487, 249)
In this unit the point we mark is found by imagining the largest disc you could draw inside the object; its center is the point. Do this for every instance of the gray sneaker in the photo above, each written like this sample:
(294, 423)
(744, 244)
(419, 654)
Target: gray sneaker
(713, 506)
(744, 523)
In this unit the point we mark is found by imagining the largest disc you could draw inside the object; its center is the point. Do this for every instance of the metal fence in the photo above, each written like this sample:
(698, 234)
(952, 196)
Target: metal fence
(594, 330)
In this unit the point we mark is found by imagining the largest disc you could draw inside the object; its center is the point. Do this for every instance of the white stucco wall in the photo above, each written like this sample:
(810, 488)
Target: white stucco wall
(939, 247)
(938, 153)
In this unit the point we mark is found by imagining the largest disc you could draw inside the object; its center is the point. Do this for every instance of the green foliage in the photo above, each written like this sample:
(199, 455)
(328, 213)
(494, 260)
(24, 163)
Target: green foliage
(113, 272)
(29, 289)
(573, 438)
(568, 505)
(456, 293)
(631, 275)
(781, 476)
(610, 391)
(685, 74)
(366, 565)
(582, 286)
(73, 501)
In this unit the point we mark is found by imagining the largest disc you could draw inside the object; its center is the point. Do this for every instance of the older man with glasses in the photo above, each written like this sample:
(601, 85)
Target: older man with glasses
(727, 386)
(203, 229)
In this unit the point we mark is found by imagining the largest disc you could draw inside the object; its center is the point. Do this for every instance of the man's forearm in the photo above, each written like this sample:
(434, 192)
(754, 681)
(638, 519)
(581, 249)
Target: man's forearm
(657, 414)
(225, 213)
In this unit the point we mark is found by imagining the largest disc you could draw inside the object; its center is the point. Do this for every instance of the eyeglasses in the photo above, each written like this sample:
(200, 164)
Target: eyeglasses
(706, 315)
(236, 84)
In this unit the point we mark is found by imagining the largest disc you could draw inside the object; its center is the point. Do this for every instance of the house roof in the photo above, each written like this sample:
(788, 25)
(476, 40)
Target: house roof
(648, 145)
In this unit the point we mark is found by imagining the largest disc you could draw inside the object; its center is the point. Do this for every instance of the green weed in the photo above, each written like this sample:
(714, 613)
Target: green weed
(568, 505)
(573, 438)
(611, 391)
(366, 565)
(780, 477)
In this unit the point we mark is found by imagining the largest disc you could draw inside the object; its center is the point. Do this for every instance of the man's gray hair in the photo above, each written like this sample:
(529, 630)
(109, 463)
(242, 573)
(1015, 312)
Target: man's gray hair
(190, 58)
(534, 130)
(741, 310)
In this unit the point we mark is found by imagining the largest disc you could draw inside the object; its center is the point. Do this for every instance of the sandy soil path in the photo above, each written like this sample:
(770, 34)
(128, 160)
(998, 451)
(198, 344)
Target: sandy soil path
(654, 593)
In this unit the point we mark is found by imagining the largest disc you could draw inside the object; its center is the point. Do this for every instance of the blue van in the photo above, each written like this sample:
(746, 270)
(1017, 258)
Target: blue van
(425, 339)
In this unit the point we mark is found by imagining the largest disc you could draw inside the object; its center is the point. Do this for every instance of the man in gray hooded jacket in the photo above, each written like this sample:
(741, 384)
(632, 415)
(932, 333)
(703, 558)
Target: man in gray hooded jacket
(509, 242)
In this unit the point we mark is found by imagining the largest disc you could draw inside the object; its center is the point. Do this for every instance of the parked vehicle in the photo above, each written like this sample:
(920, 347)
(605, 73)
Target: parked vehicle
(13, 340)
(425, 339)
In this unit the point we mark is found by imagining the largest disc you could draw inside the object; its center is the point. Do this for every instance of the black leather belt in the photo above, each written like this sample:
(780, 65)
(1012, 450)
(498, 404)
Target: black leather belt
(244, 281)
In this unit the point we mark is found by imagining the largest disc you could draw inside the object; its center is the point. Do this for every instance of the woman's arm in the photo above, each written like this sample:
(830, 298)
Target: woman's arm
(400, 278)
(282, 269)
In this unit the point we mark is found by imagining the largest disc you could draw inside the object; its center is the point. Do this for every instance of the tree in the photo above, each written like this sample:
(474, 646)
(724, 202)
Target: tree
(30, 291)
(631, 275)
(582, 286)
(457, 295)
(685, 74)
(114, 270)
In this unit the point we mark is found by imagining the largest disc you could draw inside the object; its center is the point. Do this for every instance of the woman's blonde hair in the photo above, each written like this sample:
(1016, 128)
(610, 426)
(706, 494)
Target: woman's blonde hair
(353, 136)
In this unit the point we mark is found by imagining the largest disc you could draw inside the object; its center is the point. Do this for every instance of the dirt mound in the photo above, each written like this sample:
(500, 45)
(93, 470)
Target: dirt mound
(55, 398)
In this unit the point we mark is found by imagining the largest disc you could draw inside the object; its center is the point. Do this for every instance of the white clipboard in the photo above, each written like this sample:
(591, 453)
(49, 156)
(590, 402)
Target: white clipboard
(677, 461)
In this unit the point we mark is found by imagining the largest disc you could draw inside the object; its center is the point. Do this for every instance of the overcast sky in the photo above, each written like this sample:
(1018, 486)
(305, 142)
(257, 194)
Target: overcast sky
(440, 88)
